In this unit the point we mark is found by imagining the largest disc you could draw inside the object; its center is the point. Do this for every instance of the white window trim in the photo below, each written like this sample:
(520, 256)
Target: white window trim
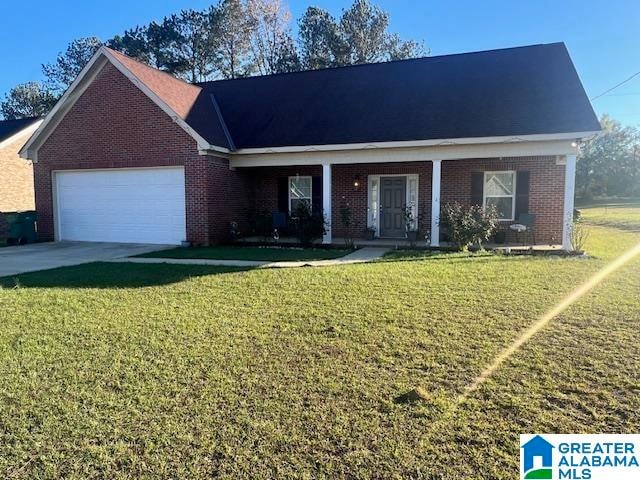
(376, 178)
(512, 196)
(298, 177)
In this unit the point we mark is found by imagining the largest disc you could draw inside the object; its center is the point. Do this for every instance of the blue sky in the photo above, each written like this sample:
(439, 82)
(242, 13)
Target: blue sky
(603, 37)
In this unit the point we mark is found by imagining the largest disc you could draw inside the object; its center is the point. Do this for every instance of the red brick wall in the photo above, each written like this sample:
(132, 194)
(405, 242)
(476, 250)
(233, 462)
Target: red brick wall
(114, 125)
(344, 193)
(546, 195)
(230, 198)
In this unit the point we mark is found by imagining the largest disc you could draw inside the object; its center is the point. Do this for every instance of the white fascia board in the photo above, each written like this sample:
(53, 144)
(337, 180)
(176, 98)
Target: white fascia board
(22, 133)
(420, 143)
(414, 154)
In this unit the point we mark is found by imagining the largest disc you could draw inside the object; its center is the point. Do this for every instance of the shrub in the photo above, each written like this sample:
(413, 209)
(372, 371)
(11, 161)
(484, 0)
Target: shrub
(469, 225)
(308, 226)
(578, 235)
(260, 222)
(346, 220)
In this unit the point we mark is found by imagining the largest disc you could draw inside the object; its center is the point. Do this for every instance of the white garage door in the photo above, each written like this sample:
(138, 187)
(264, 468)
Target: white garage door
(121, 205)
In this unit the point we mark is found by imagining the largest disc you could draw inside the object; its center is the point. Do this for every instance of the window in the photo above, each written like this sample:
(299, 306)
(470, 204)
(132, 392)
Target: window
(299, 192)
(500, 191)
(374, 207)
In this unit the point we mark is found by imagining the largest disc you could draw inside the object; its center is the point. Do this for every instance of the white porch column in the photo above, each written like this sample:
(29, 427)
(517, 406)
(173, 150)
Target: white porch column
(326, 200)
(435, 203)
(569, 193)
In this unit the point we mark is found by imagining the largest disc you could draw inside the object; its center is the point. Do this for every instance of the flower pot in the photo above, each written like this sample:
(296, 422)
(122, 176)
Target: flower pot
(412, 236)
(500, 237)
(369, 234)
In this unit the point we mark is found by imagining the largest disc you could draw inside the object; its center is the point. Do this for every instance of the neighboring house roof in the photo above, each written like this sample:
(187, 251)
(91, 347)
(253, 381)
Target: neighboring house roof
(9, 128)
(508, 92)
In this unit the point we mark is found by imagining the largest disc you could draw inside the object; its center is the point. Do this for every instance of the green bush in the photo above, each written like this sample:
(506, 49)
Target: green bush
(308, 226)
(469, 225)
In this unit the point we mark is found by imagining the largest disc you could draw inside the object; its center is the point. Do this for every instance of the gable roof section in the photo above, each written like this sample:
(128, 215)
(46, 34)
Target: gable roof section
(175, 97)
(178, 95)
(185, 99)
(499, 93)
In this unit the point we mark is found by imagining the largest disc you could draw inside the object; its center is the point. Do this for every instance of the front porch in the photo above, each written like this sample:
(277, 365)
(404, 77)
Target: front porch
(377, 196)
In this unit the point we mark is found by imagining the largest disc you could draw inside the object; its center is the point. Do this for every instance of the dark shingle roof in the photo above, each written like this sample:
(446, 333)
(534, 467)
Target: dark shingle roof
(11, 127)
(508, 92)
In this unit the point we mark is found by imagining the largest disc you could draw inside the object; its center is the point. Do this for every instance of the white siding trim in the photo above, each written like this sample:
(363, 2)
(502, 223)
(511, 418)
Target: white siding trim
(326, 201)
(569, 193)
(416, 154)
(436, 179)
(572, 136)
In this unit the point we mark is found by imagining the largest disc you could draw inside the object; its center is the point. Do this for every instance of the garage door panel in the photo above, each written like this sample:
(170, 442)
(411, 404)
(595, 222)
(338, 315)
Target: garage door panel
(120, 205)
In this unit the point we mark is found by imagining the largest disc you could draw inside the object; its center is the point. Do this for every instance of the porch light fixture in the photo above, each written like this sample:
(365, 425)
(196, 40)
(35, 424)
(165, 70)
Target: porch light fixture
(356, 181)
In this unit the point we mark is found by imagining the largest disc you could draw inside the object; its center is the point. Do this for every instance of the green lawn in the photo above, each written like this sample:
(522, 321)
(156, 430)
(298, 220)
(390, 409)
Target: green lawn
(622, 216)
(173, 371)
(267, 254)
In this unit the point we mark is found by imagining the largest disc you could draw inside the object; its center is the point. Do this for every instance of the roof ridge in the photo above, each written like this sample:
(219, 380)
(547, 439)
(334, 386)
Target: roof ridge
(223, 124)
(157, 70)
(374, 64)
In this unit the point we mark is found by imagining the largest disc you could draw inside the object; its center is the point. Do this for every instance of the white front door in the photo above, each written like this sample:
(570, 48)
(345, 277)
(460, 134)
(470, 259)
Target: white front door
(145, 205)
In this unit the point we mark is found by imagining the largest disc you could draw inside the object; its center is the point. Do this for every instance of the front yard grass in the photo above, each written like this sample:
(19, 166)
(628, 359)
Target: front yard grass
(622, 216)
(173, 371)
(266, 254)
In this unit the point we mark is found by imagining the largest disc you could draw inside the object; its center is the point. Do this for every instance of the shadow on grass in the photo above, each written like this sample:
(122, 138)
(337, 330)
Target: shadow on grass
(483, 257)
(113, 275)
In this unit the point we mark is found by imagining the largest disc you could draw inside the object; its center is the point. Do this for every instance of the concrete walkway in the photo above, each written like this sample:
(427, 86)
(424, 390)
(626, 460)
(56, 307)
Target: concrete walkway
(364, 255)
(43, 256)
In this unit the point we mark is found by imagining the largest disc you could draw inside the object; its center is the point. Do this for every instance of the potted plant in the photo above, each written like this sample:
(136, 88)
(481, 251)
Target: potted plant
(410, 224)
(369, 233)
(500, 237)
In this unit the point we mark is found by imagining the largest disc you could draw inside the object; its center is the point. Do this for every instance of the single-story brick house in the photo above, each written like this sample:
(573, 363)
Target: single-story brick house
(16, 174)
(132, 154)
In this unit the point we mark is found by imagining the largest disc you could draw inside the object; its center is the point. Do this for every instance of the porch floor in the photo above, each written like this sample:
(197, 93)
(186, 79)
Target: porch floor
(398, 243)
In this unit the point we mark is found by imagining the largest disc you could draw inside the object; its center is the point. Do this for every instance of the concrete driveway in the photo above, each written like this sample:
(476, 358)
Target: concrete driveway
(42, 256)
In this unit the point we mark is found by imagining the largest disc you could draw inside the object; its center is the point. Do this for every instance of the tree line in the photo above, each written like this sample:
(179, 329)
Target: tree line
(609, 164)
(230, 39)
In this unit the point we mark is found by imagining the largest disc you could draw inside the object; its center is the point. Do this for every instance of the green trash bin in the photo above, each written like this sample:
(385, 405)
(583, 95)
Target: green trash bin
(22, 227)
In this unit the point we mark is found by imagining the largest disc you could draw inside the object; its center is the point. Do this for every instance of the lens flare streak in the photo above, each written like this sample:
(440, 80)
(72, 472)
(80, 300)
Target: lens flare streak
(569, 300)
